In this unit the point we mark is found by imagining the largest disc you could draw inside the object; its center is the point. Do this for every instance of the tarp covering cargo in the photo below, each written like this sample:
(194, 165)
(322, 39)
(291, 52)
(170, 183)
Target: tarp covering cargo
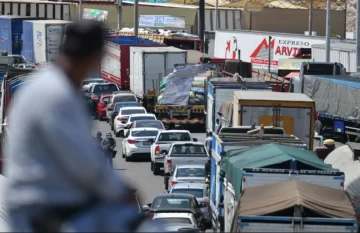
(226, 110)
(184, 86)
(271, 198)
(334, 95)
(264, 156)
(342, 158)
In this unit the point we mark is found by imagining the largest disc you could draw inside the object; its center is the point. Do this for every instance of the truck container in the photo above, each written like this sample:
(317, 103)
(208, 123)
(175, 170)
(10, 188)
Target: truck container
(11, 28)
(145, 65)
(47, 37)
(220, 90)
(116, 62)
(295, 112)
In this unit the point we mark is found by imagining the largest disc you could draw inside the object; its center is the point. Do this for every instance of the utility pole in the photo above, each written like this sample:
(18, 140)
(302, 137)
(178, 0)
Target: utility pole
(358, 36)
(310, 17)
(136, 18)
(328, 30)
(216, 14)
(119, 8)
(202, 22)
(269, 55)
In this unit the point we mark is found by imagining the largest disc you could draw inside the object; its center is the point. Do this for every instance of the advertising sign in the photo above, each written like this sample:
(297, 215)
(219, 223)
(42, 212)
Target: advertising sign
(162, 21)
(95, 14)
(54, 38)
(254, 47)
(253, 6)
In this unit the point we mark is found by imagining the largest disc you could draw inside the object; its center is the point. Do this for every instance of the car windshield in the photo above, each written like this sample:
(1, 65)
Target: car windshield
(144, 133)
(176, 220)
(132, 111)
(125, 98)
(132, 119)
(196, 192)
(149, 124)
(174, 137)
(192, 150)
(105, 88)
(86, 82)
(121, 105)
(172, 203)
(190, 172)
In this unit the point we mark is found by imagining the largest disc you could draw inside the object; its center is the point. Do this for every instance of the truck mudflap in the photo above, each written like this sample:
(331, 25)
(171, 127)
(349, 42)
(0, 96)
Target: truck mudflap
(182, 115)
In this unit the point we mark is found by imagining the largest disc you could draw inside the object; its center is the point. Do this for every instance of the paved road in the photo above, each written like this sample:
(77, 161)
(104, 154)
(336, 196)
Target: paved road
(138, 172)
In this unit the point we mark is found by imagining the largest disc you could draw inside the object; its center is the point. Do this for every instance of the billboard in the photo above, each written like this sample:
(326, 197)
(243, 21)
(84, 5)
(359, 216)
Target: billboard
(99, 15)
(162, 21)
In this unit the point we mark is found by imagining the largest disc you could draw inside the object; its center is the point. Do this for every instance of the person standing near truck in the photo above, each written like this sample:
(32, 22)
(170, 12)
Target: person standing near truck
(208, 142)
(323, 151)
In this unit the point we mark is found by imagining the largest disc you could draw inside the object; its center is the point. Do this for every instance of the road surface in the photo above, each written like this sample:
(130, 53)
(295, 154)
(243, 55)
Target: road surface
(138, 173)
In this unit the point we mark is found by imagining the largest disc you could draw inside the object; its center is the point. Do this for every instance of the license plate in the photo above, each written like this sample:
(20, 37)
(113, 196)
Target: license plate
(146, 143)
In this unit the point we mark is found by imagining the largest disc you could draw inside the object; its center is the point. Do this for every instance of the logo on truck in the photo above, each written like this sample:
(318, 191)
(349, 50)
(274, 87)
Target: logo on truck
(231, 48)
(4, 34)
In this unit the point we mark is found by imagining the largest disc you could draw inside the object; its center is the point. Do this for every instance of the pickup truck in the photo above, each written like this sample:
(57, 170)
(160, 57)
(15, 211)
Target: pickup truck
(182, 153)
(163, 142)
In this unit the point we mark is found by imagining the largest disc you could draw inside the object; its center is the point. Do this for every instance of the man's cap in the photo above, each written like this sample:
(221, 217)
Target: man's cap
(83, 39)
(329, 142)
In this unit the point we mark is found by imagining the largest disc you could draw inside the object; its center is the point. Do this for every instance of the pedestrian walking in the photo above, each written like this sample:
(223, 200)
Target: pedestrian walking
(108, 145)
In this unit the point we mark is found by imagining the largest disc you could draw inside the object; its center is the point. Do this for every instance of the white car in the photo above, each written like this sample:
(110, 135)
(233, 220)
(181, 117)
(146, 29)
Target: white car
(122, 96)
(180, 220)
(137, 142)
(137, 117)
(121, 118)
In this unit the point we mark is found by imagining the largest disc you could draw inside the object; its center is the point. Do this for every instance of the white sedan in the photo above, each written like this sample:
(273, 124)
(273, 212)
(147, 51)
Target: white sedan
(137, 117)
(137, 142)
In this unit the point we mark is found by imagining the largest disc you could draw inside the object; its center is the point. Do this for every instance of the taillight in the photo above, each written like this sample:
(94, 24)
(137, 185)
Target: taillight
(172, 183)
(157, 150)
(169, 163)
(132, 141)
(121, 119)
(150, 214)
(94, 97)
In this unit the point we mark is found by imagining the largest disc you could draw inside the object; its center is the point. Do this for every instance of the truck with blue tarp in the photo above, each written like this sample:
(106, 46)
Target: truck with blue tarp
(220, 90)
(11, 29)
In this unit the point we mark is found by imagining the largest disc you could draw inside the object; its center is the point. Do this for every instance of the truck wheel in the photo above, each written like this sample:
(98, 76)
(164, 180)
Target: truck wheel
(151, 166)
(156, 169)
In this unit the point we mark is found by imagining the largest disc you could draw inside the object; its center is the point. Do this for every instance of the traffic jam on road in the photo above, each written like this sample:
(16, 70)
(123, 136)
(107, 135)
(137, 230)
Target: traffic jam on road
(221, 146)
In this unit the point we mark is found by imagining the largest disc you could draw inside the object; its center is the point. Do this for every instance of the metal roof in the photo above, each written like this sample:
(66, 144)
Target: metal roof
(351, 47)
(272, 96)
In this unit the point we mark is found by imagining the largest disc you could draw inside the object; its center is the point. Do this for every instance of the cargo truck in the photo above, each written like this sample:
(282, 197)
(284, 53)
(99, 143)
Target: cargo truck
(43, 39)
(116, 61)
(220, 90)
(145, 65)
(295, 112)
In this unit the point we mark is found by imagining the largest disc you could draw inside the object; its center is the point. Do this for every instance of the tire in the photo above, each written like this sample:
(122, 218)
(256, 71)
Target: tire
(151, 166)
(156, 170)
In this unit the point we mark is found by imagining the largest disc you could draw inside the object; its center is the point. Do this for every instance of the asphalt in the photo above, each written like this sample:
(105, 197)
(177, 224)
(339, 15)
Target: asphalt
(138, 173)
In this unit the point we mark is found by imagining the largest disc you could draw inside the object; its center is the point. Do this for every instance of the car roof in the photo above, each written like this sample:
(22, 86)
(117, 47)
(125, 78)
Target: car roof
(176, 131)
(190, 166)
(193, 143)
(144, 129)
(189, 186)
(141, 114)
(172, 215)
(174, 195)
(129, 108)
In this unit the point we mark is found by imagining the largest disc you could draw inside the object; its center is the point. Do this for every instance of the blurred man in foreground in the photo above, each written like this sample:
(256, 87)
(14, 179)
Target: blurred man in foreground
(323, 151)
(57, 178)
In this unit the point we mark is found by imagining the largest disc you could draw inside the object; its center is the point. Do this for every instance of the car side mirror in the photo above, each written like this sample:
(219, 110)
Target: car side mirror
(146, 208)
(195, 139)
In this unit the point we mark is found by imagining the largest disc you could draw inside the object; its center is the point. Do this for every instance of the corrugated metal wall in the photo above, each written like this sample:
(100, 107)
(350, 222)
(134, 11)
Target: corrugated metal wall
(227, 19)
(46, 10)
(345, 57)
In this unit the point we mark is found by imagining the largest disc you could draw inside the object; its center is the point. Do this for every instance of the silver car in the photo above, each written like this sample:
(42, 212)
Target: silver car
(201, 193)
(187, 174)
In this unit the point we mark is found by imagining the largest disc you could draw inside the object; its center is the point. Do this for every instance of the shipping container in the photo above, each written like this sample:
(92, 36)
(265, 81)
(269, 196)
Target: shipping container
(47, 36)
(146, 63)
(11, 29)
(344, 53)
(254, 46)
(116, 62)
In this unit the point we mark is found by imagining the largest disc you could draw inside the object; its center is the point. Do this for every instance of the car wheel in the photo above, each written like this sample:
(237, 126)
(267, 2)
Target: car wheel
(152, 166)
(156, 169)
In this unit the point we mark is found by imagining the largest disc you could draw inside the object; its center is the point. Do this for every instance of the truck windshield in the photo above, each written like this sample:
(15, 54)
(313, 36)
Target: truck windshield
(190, 172)
(174, 137)
(193, 150)
(132, 111)
(125, 98)
(176, 220)
(196, 192)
